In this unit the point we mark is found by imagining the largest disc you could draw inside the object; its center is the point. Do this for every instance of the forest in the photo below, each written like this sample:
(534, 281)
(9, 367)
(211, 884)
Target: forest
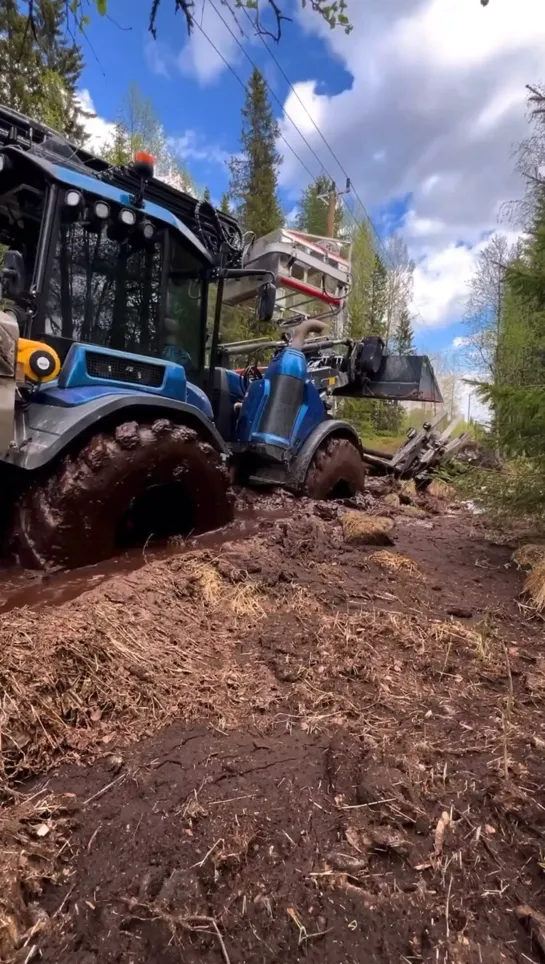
(505, 341)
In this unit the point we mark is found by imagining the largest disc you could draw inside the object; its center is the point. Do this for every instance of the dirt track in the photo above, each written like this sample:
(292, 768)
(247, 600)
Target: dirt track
(352, 769)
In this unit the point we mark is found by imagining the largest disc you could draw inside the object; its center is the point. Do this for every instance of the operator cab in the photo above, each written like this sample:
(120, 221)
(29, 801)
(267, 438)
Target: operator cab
(124, 281)
(83, 262)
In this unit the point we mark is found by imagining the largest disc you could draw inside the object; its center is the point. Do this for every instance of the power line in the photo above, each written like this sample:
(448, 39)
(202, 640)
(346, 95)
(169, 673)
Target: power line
(244, 86)
(292, 122)
(301, 135)
(328, 145)
(269, 88)
(315, 125)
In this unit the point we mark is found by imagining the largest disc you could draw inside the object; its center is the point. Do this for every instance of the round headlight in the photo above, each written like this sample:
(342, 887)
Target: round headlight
(127, 217)
(72, 199)
(148, 230)
(101, 210)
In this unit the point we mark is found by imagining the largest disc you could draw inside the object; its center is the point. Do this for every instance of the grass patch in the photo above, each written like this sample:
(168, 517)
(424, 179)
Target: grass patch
(365, 530)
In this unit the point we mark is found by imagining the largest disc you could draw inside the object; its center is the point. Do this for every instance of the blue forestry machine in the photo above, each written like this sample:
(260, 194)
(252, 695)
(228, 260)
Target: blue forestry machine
(119, 414)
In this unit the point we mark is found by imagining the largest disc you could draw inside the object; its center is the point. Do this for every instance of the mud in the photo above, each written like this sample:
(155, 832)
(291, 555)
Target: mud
(365, 780)
(34, 589)
(160, 479)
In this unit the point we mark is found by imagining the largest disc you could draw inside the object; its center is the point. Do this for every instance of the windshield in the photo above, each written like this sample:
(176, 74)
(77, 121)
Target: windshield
(105, 290)
(21, 212)
(183, 322)
(108, 292)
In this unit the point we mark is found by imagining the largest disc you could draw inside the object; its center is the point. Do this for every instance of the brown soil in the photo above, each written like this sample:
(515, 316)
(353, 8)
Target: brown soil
(280, 748)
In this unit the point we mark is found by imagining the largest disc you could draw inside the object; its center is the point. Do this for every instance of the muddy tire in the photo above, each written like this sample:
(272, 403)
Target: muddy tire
(337, 470)
(81, 512)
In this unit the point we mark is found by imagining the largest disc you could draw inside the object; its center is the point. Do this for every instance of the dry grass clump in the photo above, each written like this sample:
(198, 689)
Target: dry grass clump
(365, 530)
(440, 489)
(121, 661)
(394, 562)
(413, 512)
(392, 500)
(532, 557)
(368, 670)
(407, 490)
(534, 586)
(32, 833)
(526, 557)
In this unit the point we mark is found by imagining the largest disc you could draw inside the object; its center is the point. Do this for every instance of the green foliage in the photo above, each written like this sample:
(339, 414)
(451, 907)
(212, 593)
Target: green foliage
(334, 12)
(254, 175)
(403, 338)
(512, 495)
(225, 204)
(361, 302)
(139, 128)
(41, 66)
(206, 196)
(118, 150)
(63, 64)
(313, 212)
(516, 392)
(367, 316)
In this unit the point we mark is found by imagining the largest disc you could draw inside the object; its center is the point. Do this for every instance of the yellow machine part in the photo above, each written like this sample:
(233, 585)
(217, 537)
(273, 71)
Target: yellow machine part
(36, 362)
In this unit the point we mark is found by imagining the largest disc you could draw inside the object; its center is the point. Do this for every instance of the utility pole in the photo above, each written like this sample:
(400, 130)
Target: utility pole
(331, 208)
(331, 199)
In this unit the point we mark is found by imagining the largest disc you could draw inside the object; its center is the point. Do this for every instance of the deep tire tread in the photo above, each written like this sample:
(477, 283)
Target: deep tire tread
(337, 460)
(77, 503)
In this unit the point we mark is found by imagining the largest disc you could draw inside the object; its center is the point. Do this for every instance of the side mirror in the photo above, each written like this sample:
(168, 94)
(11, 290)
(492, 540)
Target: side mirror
(266, 302)
(13, 275)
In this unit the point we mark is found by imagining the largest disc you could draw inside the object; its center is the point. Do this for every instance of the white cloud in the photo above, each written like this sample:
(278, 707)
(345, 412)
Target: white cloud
(198, 59)
(192, 146)
(438, 96)
(158, 58)
(460, 342)
(98, 130)
(440, 283)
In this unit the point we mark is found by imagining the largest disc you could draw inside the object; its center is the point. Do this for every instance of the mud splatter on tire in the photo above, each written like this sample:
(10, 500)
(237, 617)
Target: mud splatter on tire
(73, 517)
(336, 470)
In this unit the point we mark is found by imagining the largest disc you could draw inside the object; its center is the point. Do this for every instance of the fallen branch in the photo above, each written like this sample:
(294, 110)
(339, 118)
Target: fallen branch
(190, 924)
(442, 824)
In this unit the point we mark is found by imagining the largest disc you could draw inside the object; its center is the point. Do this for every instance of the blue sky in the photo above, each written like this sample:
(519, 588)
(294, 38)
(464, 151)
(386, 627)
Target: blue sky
(116, 56)
(422, 104)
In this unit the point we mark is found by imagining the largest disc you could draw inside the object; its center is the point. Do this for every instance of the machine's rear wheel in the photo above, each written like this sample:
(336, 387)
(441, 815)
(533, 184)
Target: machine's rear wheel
(119, 489)
(336, 471)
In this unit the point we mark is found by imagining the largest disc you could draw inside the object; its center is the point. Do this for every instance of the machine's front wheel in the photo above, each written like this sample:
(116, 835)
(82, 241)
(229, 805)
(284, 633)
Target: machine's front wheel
(122, 487)
(337, 471)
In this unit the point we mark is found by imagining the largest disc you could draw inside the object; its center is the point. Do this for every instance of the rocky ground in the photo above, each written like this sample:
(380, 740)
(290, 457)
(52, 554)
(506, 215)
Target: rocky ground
(280, 746)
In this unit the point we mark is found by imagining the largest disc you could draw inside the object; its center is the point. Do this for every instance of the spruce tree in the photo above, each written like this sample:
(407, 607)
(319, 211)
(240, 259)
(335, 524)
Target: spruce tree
(518, 394)
(20, 74)
(40, 66)
(206, 194)
(62, 64)
(118, 150)
(225, 204)
(254, 175)
(403, 338)
(313, 211)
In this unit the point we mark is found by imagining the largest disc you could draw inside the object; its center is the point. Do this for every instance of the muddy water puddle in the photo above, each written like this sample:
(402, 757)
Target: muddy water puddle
(19, 588)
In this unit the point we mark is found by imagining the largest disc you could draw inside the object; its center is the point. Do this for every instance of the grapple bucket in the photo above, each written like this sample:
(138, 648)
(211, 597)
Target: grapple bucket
(401, 378)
